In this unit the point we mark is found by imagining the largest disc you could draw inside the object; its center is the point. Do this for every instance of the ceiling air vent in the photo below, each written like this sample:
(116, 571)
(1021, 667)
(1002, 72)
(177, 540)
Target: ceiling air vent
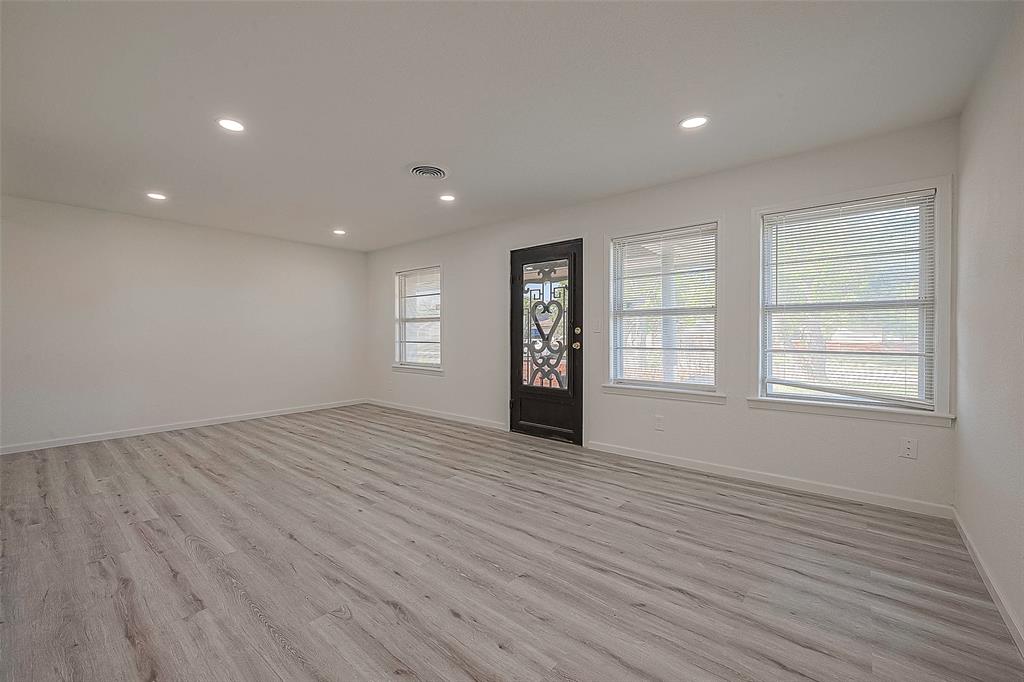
(428, 171)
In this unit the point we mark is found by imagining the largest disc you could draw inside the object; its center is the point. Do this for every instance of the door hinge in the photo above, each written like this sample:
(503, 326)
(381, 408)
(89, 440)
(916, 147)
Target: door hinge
(511, 402)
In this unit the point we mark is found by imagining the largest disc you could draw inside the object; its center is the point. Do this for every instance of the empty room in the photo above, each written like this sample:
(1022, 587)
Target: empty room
(593, 341)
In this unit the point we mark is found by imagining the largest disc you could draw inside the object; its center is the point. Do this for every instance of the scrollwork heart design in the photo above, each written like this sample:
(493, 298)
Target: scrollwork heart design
(546, 352)
(536, 310)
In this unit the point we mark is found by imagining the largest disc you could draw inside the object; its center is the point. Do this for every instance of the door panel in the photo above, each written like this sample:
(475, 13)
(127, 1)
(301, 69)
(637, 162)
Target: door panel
(546, 341)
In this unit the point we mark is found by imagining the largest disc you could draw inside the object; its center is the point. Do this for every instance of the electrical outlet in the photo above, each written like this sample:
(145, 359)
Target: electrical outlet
(659, 422)
(908, 448)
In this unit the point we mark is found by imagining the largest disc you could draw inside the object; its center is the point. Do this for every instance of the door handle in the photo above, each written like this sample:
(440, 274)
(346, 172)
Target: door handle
(576, 345)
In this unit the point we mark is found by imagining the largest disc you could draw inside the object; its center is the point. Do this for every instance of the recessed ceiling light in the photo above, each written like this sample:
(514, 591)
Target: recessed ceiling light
(447, 197)
(338, 231)
(156, 196)
(695, 122)
(231, 124)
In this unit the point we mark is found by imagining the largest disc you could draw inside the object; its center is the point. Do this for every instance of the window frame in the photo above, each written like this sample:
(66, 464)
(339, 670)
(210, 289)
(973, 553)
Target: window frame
(662, 389)
(942, 411)
(398, 356)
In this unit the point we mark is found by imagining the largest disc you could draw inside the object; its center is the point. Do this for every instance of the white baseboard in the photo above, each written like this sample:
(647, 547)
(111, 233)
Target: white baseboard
(451, 416)
(124, 433)
(798, 484)
(892, 501)
(1015, 626)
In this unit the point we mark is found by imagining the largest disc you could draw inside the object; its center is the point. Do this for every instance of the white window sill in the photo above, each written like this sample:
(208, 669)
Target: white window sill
(888, 414)
(418, 369)
(687, 394)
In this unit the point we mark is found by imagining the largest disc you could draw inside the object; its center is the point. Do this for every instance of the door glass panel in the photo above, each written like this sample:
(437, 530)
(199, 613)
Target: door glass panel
(545, 320)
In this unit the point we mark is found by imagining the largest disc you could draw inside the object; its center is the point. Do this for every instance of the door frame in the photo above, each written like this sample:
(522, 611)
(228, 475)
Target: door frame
(574, 319)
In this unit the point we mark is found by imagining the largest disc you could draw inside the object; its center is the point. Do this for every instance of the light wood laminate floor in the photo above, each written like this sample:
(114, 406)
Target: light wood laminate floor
(365, 543)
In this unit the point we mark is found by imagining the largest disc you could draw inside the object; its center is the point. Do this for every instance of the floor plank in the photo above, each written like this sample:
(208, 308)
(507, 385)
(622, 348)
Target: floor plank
(365, 543)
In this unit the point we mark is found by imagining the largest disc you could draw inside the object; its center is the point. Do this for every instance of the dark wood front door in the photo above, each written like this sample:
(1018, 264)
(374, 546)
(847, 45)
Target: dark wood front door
(547, 341)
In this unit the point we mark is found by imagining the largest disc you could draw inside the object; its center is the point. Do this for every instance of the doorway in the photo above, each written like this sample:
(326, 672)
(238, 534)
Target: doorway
(546, 341)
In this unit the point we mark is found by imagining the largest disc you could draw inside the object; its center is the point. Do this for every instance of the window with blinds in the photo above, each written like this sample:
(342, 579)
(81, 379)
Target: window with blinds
(663, 308)
(848, 302)
(418, 318)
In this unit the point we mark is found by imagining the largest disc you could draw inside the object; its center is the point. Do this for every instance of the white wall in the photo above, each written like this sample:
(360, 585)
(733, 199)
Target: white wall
(113, 322)
(838, 451)
(110, 306)
(989, 476)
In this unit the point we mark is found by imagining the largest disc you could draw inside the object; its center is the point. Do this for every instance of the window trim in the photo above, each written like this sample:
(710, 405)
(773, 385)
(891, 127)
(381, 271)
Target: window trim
(652, 388)
(944, 369)
(398, 365)
(854, 411)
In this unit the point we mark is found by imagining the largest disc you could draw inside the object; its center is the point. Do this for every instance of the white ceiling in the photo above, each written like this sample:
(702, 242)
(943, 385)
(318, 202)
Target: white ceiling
(530, 106)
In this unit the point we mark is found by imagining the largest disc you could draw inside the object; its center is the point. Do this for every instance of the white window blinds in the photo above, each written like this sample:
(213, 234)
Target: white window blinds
(663, 308)
(848, 302)
(418, 317)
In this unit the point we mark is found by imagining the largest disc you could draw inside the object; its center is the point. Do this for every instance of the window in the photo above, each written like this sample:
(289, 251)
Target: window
(663, 308)
(848, 302)
(418, 318)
